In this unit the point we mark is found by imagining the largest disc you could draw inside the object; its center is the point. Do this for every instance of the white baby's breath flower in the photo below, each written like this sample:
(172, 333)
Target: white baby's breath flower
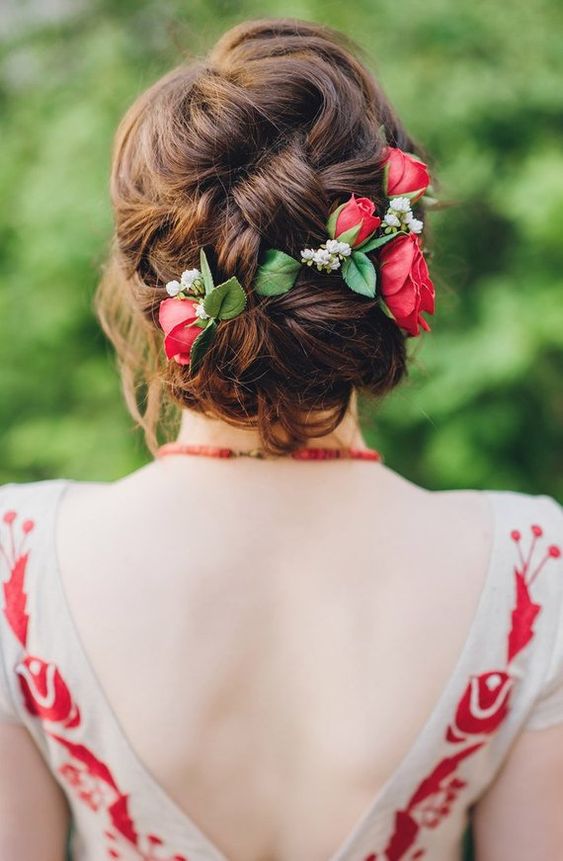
(416, 225)
(328, 256)
(201, 312)
(391, 220)
(188, 277)
(322, 256)
(173, 288)
(400, 204)
(334, 246)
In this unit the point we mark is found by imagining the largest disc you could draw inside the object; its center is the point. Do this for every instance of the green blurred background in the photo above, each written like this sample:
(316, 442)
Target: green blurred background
(478, 83)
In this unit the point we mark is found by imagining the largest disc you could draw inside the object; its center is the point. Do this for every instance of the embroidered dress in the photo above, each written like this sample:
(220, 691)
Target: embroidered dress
(508, 677)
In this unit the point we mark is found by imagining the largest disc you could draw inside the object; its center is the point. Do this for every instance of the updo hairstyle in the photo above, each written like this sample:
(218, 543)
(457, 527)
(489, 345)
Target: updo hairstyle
(247, 149)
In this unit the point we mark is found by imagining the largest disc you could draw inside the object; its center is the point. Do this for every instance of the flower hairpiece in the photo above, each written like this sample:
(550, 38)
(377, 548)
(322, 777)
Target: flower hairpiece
(189, 325)
(354, 230)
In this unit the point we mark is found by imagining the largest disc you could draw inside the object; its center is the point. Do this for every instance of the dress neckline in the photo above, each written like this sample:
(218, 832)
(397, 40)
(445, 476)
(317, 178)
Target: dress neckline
(438, 717)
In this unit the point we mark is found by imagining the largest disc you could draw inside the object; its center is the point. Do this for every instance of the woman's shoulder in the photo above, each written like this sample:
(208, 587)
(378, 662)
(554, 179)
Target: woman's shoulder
(513, 500)
(31, 490)
(31, 510)
(511, 542)
(31, 499)
(528, 519)
(42, 493)
(522, 530)
(524, 587)
(507, 507)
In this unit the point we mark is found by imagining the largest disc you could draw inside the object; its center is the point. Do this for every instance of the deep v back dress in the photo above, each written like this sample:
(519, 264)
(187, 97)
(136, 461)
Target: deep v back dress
(508, 677)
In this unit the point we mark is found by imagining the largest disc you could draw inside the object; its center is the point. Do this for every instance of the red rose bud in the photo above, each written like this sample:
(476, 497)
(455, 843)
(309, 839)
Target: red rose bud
(406, 286)
(404, 175)
(174, 316)
(356, 211)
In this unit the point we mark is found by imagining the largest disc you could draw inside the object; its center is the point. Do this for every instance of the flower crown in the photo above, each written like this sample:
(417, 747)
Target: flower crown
(405, 289)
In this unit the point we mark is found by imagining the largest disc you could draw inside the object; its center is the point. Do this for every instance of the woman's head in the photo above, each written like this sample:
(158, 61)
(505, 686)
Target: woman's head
(248, 149)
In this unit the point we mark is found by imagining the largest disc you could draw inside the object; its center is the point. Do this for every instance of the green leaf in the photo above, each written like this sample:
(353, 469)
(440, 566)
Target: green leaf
(386, 178)
(385, 309)
(412, 195)
(199, 322)
(225, 301)
(201, 345)
(349, 235)
(377, 242)
(331, 223)
(206, 272)
(359, 274)
(276, 274)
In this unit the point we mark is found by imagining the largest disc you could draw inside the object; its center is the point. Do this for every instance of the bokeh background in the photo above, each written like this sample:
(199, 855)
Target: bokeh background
(476, 81)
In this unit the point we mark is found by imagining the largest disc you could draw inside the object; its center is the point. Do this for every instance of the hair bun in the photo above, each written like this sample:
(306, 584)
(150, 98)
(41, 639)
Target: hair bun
(247, 150)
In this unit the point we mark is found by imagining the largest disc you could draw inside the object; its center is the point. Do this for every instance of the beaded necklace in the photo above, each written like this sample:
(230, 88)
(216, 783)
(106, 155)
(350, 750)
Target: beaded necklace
(299, 454)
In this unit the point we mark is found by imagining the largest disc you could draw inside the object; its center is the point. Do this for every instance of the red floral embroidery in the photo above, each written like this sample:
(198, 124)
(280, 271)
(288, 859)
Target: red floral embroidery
(87, 789)
(14, 594)
(45, 692)
(47, 696)
(480, 711)
(525, 611)
(483, 706)
(149, 848)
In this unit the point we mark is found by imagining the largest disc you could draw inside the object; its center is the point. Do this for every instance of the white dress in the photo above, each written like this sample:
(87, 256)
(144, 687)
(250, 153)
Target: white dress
(509, 676)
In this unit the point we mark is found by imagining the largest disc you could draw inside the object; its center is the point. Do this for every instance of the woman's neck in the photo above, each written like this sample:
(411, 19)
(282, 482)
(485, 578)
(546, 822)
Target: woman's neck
(197, 429)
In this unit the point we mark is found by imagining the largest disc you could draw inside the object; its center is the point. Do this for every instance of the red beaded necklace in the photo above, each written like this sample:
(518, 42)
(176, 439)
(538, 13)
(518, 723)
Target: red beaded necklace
(298, 454)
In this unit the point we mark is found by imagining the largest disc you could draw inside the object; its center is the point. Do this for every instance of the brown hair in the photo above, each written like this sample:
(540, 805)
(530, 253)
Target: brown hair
(251, 148)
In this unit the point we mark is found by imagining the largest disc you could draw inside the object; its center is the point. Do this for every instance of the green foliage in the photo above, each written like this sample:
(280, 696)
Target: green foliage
(205, 272)
(359, 274)
(226, 300)
(276, 274)
(477, 83)
(371, 244)
(201, 345)
(333, 218)
(348, 235)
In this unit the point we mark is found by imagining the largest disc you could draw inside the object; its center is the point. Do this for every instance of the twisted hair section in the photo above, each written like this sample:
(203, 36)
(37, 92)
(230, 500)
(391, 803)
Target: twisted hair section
(246, 149)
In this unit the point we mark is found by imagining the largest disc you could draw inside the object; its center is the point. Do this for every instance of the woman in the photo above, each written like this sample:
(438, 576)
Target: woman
(222, 658)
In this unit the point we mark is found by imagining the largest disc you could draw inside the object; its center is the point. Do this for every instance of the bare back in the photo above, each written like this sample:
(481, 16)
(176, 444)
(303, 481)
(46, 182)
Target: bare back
(272, 636)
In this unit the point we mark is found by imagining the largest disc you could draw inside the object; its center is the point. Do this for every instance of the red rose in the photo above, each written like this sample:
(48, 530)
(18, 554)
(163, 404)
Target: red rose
(357, 211)
(405, 283)
(483, 705)
(45, 692)
(174, 316)
(404, 175)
